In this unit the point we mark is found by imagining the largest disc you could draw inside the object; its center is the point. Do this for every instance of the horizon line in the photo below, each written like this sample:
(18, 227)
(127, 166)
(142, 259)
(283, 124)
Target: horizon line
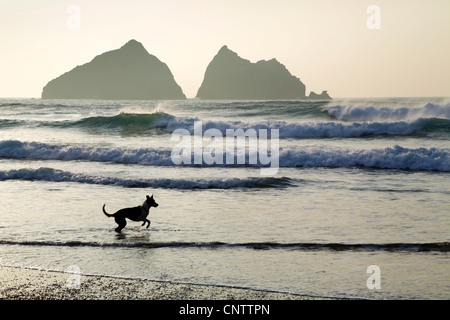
(195, 98)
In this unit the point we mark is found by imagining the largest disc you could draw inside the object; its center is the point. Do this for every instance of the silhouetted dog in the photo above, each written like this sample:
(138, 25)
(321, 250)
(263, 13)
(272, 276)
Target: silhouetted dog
(138, 213)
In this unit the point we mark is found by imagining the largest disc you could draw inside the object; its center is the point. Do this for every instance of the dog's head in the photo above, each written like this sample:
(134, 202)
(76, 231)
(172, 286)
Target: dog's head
(151, 202)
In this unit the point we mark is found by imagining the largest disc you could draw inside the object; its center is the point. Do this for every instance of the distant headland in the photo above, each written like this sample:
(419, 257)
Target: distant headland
(128, 73)
(131, 73)
(229, 76)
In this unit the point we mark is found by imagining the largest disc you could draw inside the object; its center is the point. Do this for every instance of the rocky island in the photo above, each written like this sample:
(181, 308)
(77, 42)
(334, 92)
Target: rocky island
(323, 96)
(229, 76)
(128, 73)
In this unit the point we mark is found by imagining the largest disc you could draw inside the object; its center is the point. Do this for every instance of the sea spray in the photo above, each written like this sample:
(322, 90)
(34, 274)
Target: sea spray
(352, 112)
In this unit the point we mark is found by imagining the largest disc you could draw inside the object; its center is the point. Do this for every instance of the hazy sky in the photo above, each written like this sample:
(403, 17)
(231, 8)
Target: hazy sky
(326, 43)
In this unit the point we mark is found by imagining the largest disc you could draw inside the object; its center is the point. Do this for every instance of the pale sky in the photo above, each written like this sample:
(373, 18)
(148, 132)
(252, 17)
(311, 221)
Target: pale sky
(325, 43)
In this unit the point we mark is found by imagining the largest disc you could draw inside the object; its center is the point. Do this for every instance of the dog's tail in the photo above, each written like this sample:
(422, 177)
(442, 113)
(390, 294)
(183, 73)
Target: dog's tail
(106, 213)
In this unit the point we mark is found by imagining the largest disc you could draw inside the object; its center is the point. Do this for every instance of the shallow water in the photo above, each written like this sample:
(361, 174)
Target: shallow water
(353, 190)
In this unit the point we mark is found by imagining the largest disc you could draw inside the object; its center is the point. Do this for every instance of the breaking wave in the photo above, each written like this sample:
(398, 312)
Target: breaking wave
(350, 122)
(167, 123)
(396, 157)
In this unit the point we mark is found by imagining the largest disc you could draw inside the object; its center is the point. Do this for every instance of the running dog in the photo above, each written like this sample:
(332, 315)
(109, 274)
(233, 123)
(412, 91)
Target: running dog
(138, 213)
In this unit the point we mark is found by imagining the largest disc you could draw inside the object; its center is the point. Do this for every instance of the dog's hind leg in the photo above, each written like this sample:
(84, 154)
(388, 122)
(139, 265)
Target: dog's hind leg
(121, 222)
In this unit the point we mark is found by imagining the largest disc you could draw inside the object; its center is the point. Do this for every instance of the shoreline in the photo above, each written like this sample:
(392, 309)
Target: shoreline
(18, 283)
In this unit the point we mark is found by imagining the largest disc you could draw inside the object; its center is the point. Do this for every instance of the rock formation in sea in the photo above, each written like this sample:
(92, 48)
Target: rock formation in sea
(229, 76)
(323, 96)
(128, 73)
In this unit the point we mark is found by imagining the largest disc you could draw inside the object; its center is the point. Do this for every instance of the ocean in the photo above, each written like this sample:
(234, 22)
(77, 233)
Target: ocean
(357, 205)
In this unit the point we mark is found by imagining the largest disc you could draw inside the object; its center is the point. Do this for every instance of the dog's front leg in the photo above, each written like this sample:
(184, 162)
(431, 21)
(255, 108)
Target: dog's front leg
(146, 221)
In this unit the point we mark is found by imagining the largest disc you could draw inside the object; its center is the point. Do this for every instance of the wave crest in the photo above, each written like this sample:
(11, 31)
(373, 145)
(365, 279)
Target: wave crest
(143, 120)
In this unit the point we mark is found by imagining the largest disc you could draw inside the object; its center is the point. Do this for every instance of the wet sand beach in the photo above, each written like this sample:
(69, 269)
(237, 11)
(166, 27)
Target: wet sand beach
(33, 284)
